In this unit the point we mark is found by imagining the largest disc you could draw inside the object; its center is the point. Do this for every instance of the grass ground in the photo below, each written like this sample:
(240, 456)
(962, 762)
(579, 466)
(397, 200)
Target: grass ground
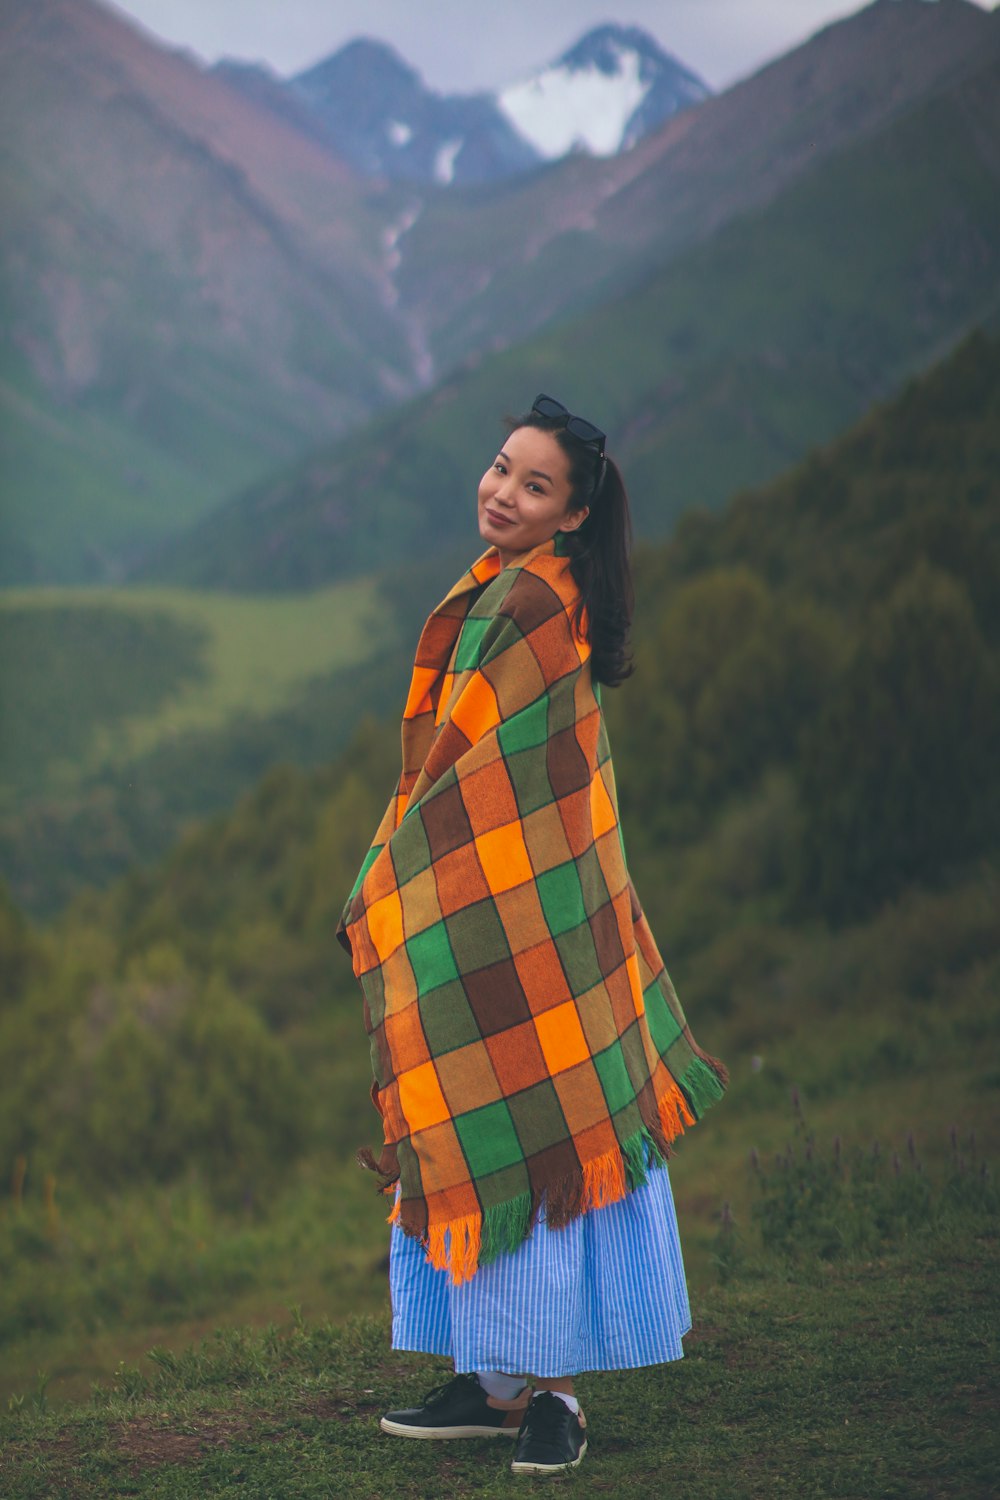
(854, 1378)
(859, 1367)
(843, 1340)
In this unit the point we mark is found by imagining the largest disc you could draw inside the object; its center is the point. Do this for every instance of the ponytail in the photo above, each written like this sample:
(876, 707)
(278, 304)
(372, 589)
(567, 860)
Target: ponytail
(599, 561)
(598, 551)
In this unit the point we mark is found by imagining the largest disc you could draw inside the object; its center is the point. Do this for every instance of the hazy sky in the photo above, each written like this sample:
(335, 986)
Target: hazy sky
(463, 45)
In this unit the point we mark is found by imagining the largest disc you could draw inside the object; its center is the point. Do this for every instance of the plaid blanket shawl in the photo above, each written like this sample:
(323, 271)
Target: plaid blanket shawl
(526, 1039)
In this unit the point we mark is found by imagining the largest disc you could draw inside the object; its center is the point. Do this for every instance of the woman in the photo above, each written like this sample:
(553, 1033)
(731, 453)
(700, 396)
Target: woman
(531, 1060)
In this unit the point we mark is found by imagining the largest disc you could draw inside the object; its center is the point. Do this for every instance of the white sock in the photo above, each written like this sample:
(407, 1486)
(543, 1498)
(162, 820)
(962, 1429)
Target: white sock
(500, 1387)
(570, 1401)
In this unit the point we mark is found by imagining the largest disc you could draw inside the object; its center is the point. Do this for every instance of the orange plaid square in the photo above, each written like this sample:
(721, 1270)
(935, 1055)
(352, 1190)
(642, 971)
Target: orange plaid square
(596, 1140)
(404, 1035)
(452, 1203)
(562, 1038)
(504, 857)
(476, 710)
(489, 797)
(459, 881)
(419, 699)
(601, 810)
(517, 1058)
(632, 965)
(385, 924)
(421, 1099)
(542, 976)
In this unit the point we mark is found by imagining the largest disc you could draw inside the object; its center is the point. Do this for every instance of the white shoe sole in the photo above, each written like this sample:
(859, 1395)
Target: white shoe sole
(399, 1429)
(574, 1463)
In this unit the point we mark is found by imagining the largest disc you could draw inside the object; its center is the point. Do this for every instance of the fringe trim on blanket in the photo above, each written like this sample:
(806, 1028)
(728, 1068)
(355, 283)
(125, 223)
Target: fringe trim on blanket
(460, 1246)
(703, 1081)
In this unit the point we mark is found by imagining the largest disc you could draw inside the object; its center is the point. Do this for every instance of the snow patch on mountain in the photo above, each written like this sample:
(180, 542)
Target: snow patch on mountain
(563, 109)
(444, 161)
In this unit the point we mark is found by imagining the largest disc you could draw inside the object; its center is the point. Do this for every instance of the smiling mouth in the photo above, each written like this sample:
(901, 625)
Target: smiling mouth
(498, 520)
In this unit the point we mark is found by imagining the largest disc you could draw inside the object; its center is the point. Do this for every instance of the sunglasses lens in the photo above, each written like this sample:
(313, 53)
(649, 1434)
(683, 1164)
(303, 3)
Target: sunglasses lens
(578, 427)
(547, 407)
(585, 431)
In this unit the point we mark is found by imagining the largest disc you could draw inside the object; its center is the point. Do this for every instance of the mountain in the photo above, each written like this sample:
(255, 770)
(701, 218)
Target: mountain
(481, 272)
(716, 372)
(602, 96)
(193, 291)
(198, 290)
(379, 115)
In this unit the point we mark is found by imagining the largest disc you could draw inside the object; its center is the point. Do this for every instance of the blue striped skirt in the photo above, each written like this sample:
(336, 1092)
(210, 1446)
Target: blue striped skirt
(607, 1292)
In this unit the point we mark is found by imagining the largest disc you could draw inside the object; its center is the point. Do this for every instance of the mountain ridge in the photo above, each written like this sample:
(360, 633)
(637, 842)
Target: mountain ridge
(194, 289)
(201, 293)
(721, 368)
(604, 93)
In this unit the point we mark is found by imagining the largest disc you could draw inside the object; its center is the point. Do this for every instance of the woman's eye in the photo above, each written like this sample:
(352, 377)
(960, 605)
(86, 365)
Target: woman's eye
(499, 467)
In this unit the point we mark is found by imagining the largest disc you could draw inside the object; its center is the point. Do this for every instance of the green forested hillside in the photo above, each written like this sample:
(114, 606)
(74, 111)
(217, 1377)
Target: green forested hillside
(916, 480)
(727, 365)
(806, 759)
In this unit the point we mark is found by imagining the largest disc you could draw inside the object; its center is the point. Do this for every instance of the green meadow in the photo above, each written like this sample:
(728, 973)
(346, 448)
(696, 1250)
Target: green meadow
(94, 677)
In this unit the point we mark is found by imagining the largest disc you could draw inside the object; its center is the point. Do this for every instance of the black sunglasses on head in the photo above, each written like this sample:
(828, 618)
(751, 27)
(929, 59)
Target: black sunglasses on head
(578, 427)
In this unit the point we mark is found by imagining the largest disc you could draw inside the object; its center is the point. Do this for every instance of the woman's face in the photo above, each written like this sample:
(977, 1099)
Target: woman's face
(524, 494)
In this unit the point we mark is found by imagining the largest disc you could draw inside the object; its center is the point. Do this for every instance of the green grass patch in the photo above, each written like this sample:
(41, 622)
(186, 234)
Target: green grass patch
(96, 677)
(802, 1376)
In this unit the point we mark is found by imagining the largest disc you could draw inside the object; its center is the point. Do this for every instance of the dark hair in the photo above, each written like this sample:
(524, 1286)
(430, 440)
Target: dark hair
(598, 550)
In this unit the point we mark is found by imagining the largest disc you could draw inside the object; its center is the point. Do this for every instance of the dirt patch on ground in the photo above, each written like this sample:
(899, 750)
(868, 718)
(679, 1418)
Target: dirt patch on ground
(334, 1408)
(146, 1445)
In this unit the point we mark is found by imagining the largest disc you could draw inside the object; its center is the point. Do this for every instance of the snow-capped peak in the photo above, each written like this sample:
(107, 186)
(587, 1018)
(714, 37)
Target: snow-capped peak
(592, 97)
(562, 108)
(610, 89)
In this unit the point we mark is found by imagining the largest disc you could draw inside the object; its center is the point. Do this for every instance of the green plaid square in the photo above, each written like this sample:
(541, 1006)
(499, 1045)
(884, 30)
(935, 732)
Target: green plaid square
(431, 958)
(470, 643)
(489, 1139)
(526, 730)
(561, 895)
(664, 1027)
(613, 1073)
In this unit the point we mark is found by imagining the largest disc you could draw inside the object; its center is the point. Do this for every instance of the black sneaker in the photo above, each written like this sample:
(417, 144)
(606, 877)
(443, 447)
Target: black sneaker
(551, 1438)
(459, 1408)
